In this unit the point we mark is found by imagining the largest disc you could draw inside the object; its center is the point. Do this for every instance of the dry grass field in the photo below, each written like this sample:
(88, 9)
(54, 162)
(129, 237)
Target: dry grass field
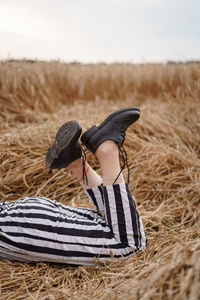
(164, 155)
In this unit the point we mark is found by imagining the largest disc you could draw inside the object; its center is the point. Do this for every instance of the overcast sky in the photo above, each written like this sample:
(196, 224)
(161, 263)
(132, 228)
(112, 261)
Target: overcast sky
(100, 30)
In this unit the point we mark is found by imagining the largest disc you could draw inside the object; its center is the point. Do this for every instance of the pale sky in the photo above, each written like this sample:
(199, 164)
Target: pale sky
(100, 30)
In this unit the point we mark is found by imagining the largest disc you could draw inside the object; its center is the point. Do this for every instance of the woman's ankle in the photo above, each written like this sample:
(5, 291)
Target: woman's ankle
(78, 163)
(118, 179)
(106, 149)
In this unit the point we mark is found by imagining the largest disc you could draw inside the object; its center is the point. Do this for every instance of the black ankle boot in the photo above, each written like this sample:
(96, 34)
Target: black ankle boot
(66, 148)
(112, 128)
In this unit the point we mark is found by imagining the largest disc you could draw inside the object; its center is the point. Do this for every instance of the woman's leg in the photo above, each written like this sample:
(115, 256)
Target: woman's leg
(92, 184)
(105, 141)
(121, 213)
(115, 202)
(67, 152)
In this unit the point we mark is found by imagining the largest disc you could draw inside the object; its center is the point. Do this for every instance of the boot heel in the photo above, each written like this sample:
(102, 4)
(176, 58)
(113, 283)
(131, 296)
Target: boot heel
(88, 134)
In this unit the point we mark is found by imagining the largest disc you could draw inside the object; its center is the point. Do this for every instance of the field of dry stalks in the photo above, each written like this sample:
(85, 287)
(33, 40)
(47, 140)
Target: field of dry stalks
(164, 156)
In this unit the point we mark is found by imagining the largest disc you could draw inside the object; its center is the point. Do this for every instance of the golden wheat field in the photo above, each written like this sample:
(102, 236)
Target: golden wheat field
(163, 150)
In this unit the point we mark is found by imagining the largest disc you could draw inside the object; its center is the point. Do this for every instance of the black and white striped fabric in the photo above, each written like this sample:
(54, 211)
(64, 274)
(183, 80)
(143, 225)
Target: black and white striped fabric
(39, 229)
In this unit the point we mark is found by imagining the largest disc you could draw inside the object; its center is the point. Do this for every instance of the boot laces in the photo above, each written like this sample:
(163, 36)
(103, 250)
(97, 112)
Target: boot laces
(84, 176)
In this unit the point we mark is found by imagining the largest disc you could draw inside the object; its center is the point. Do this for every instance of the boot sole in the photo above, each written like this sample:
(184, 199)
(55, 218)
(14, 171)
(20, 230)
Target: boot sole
(87, 135)
(66, 136)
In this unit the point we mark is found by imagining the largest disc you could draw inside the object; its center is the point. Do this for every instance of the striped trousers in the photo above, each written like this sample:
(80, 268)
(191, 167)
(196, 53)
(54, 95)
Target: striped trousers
(39, 229)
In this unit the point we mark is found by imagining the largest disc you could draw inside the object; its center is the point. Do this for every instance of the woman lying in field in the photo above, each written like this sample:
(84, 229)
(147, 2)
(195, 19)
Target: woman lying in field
(39, 229)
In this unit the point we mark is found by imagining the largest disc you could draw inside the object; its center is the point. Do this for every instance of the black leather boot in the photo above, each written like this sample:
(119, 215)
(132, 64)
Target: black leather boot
(112, 128)
(66, 147)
